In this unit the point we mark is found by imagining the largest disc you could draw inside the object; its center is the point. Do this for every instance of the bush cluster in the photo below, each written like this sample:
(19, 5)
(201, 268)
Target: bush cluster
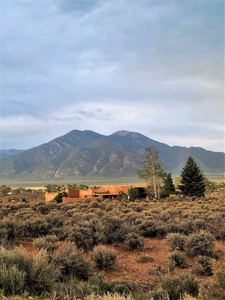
(200, 244)
(20, 273)
(108, 222)
(176, 287)
(177, 259)
(190, 227)
(104, 257)
(195, 244)
(49, 243)
(133, 242)
(71, 263)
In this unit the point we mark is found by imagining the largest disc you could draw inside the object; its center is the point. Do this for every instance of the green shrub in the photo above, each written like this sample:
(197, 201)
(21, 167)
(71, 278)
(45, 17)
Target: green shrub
(190, 284)
(12, 280)
(173, 286)
(42, 274)
(71, 262)
(176, 287)
(121, 289)
(36, 226)
(177, 259)
(17, 257)
(205, 268)
(148, 228)
(34, 273)
(122, 196)
(96, 286)
(153, 228)
(216, 290)
(113, 296)
(82, 236)
(58, 198)
(99, 285)
(159, 295)
(48, 243)
(116, 230)
(200, 244)
(69, 289)
(104, 257)
(133, 242)
(165, 194)
(176, 241)
(7, 230)
(87, 234)
(134, 193)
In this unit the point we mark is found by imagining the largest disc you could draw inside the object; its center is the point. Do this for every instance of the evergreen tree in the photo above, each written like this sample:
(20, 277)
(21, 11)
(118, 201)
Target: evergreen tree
(168, 183)
(58, 198)
(134, 193)
(192, 180)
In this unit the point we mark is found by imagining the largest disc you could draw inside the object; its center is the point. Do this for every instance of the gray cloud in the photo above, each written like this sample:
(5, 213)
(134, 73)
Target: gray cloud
(65, 62)
(79, 7)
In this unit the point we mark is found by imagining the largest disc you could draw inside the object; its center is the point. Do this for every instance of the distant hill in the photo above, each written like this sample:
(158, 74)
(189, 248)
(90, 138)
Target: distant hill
(87, 153)
(7, 153)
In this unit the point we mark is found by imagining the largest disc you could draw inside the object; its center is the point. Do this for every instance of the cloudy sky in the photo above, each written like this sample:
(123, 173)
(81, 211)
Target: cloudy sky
(151, 66)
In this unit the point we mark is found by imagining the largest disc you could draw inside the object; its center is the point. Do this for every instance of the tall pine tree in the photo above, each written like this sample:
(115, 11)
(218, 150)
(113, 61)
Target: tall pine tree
(168, 183)
(192, 180)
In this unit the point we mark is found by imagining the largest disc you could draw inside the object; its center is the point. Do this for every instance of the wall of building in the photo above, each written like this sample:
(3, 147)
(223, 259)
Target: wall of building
(50, 196)
(86, 193)
(73, 193)
(71, 200)
(113, 189)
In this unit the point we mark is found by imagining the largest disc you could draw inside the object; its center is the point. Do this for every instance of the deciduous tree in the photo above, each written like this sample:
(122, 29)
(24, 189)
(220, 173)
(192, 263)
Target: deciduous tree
(152, 171)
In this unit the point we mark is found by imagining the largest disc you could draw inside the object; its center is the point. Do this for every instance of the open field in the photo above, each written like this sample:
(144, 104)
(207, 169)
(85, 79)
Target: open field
(138, 233)
(36, 184)
(83, 180)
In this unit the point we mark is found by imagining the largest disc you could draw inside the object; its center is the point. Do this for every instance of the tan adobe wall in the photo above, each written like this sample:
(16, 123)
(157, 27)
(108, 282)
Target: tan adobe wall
(113, 189)
(79, 193)
(50, 196)
(86, 193)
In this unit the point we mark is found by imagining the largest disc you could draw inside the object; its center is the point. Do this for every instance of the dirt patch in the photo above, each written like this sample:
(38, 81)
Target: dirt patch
(130, 269)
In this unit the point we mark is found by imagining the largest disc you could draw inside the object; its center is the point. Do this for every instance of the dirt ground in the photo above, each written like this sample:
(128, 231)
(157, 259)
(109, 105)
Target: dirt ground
(129, 269)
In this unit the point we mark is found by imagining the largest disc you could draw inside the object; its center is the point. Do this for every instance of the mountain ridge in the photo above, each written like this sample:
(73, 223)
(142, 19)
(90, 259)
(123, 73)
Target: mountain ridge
(88, 153)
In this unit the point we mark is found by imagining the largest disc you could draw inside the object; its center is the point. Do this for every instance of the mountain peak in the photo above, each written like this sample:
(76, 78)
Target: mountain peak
(121, 133)
(88, 153)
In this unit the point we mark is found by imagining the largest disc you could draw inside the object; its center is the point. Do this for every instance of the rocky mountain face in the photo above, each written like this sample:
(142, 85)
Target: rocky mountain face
(87, 153)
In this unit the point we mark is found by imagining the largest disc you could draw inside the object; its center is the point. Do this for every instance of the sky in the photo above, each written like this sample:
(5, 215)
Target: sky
(150, 66)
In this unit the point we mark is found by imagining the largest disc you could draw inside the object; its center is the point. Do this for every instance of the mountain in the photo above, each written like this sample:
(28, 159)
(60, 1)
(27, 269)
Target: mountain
(87, 153)
(4, 153)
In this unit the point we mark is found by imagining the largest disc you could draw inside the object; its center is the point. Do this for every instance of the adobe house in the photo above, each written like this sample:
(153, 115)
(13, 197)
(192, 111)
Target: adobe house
(103, 192)
(92, 194)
